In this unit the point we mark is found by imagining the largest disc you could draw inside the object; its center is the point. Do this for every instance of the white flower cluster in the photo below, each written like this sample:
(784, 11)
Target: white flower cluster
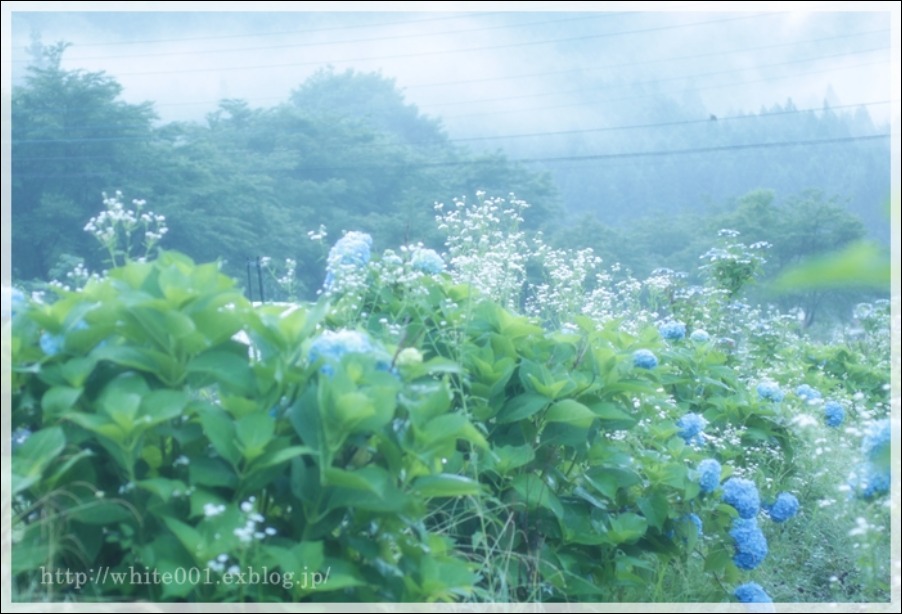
(116, 225)
(487, 249)
(563, 290)
(250, 531)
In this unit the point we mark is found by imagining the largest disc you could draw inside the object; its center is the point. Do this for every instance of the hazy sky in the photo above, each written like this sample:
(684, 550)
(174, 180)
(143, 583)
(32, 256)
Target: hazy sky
(509, 72)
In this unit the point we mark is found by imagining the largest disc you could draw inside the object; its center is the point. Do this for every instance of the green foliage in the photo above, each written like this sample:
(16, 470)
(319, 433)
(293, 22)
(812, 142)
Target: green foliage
(176, 427)
(346, 152)
(72, 139)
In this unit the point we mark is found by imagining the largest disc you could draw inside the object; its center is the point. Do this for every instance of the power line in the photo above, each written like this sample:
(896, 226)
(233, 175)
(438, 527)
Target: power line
(495, 79)
(640, 96)
(450, 51)
(715, 149)
(656, 81)
(551, 159)
(277, 33)
(643, 62)
(340, 42)
(633, 84)
(688, 122)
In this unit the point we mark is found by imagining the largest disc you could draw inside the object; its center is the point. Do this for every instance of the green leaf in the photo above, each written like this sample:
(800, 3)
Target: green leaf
(537, 493)
(76, 370)
(608, 480)
(35, 455)
(612, 417)
(162, 487)
(188, 536)
(521, 406)
(60, 470)
(220, 430)
(361, 480)
(571, 412)
(161, 405)
(254, 432)
(627, 527)
(161, 323)
(142, 359)
(59, 400)
(859, 264)
(30, 551)
(101, 512)
(718, 560)
(426, 401)
(654, 507)
(445, 485)
(271, 459)
(230, 369)
(214, 472)
(512, 457)
(342, 574)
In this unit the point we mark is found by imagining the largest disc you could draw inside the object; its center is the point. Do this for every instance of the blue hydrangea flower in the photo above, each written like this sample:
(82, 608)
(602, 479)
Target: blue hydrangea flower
(708, 475)
(427, 261)
(691, 425)
(332, 345)
(876, 481)
(350, 251)
(19, 437)
(695, 520)
(770, 391)
(751, 592)
(690, 525)
(807, 392)
(13, 302)
(700, 335)
(785, 507)
(743, 495)
(834, 414)
(875, 477)
(51, 344)
(875, 445)
(672, 330)
(645, 359)
(749, 543)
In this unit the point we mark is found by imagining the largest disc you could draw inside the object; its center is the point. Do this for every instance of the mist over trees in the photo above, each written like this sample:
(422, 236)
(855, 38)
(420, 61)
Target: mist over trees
(348, 152)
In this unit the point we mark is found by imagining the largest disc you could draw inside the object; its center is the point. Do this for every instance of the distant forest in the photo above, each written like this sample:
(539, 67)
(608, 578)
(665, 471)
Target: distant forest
(348, 152)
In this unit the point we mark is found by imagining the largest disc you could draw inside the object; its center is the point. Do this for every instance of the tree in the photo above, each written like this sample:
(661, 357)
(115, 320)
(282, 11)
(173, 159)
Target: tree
(71, 140)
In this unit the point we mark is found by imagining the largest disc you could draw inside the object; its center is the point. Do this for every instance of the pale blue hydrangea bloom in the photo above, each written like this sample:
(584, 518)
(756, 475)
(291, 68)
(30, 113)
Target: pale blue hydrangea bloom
(875, 471)
(350, 251)
(13, 302)
(700, 335)
(708, 475)
(751, 592)
(19, 437)
(770, 391)
(876, 482)
(807, 392)
(332, 345)
(645, 359)
(672, 330)
(743, 495)
(696, 521)
(427, 261)
(749, 543)
(691, 425)
(875, 445)
(785, 507)
(51, 344)
(834, 414)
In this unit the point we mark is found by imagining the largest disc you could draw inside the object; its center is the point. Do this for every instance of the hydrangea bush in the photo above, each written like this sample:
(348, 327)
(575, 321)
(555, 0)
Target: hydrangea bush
(437, 427)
